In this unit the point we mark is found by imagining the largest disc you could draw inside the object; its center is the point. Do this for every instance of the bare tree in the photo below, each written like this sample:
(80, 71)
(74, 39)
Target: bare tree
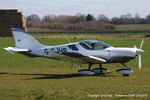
(103, 18)
(49, 18)
(33, 20)
(147, 19)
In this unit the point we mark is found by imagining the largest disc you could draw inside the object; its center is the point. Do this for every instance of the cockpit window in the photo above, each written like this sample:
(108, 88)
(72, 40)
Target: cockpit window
(93, 45)
(73, 47)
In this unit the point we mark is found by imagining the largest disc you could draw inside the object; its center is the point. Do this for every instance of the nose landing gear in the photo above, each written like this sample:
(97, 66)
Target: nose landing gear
(125, 72)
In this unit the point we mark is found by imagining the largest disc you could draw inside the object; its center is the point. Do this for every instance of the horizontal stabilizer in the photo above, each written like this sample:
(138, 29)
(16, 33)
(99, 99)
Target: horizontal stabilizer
(14, 49)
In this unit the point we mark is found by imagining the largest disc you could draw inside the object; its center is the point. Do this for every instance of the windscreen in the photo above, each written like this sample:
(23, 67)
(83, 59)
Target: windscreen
(93, 45)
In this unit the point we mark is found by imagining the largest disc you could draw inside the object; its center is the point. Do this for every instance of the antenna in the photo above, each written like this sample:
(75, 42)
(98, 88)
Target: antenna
(66, 38)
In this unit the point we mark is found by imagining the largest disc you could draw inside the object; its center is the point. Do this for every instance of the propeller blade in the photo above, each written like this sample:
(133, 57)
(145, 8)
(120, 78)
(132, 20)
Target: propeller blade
(139, 61)
(141, 44)
(135, 46)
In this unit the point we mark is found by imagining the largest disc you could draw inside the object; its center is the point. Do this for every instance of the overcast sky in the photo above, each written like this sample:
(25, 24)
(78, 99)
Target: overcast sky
(110, 8)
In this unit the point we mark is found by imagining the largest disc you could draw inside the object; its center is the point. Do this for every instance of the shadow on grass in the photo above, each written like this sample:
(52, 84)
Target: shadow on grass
(61, 76)
(50, 76)
(2, 73)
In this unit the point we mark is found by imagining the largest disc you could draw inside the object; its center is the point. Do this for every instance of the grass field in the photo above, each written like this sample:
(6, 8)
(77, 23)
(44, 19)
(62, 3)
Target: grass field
(131, 27)
(137, 27)
(38, 30)
(23, 78)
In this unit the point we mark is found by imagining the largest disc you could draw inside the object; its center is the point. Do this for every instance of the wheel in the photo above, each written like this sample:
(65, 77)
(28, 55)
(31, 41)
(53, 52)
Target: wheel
(126, 74)
(104, 71)
(86, 72)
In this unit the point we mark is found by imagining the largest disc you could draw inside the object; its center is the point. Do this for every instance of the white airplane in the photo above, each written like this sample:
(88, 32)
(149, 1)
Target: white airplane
(86, 52)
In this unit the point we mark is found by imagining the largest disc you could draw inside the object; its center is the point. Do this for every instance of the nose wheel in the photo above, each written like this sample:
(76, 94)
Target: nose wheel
(125, 72)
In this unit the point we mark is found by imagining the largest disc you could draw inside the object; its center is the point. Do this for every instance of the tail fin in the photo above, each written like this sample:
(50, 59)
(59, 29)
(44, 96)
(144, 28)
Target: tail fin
(24, 40)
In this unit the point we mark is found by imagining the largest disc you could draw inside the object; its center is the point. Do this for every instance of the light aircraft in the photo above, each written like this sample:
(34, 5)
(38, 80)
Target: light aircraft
(86, 52)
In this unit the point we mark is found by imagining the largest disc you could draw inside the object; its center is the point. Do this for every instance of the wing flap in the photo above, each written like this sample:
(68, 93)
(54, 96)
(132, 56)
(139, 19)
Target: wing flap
(14, 49)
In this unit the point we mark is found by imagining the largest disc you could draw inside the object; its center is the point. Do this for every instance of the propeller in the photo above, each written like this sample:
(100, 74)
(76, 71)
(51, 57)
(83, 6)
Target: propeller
(139, 51)
(135, 46)
(140, 62)
(141, 44)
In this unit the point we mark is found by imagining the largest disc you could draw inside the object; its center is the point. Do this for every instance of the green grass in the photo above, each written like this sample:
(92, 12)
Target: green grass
(130, 27)
(23, 78)
(137, 27)
(38, 30)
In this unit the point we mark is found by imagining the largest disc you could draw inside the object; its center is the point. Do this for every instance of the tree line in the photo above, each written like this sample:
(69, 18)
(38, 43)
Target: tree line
(129, 19)
(83, 22)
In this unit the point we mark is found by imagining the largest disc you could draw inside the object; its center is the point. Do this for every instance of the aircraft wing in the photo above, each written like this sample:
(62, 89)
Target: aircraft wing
(14, 49)
(97, 59)
(85, 58)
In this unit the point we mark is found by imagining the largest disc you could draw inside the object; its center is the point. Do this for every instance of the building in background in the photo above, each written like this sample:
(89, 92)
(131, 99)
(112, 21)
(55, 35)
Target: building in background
(9, 19)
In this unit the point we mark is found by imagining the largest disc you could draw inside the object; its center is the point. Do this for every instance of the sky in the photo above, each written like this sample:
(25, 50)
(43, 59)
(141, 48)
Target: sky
(110, 8)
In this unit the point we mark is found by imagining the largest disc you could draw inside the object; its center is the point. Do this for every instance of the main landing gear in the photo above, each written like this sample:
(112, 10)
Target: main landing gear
(125, 72)
(101, 71)
(95, 71)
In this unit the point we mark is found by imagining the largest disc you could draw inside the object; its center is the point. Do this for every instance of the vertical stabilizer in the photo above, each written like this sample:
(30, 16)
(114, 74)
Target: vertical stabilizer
(24, 40)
